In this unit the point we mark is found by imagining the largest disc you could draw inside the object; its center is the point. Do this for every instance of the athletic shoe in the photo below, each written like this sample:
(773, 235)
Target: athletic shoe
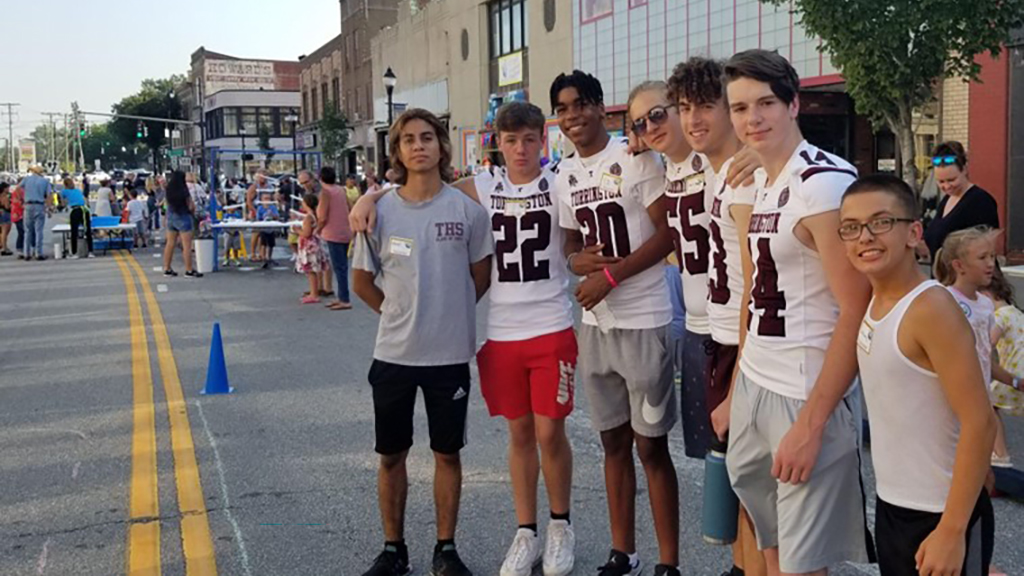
(193, 274)
(523, 555)
(91, 255)
(560, 551)
(21, 257)
(447, 562)
(619, 565)
(390, 563)
(40, 258)
(666, 570)
(170, 272)
(6, 253)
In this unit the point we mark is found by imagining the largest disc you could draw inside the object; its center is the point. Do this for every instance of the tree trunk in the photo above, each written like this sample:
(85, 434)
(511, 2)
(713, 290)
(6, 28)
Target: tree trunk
(903, 128)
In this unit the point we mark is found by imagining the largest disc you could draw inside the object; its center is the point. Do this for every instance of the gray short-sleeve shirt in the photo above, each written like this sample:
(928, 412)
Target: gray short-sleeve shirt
(421, 254)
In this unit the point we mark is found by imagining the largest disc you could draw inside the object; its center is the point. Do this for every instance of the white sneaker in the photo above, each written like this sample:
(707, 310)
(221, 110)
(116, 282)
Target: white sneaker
(523, 555)
(560, 551)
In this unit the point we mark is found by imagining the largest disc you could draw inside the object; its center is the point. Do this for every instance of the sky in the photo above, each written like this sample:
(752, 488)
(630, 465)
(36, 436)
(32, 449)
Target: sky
(97, 52)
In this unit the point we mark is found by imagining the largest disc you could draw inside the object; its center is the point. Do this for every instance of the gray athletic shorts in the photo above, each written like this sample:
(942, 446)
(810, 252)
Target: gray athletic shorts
(627, 376)
(816, 524)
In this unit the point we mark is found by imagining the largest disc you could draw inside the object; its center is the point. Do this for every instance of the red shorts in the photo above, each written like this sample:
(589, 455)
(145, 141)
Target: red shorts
(534, 376)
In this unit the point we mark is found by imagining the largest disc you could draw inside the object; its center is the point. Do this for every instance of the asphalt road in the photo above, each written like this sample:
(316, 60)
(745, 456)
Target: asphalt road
(286, 462)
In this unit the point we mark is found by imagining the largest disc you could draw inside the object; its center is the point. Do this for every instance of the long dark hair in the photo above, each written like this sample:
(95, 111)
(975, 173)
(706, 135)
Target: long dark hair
(177, 193)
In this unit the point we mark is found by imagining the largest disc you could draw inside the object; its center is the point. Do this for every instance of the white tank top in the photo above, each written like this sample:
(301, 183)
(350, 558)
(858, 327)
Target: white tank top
(914, 432)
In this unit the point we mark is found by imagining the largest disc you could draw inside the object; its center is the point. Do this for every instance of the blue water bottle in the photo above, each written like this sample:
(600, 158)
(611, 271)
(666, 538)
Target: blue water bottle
(721, 506)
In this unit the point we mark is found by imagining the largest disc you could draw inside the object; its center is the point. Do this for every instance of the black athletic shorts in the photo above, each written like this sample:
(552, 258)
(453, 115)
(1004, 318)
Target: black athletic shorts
(899, 533)
(445, 394)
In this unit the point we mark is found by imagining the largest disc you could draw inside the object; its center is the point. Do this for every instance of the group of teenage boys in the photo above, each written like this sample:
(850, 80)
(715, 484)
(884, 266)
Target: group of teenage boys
(779, 246)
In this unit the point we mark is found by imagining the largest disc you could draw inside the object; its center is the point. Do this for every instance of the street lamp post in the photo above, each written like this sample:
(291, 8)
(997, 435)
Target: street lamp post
(390, 80)
(294, 119)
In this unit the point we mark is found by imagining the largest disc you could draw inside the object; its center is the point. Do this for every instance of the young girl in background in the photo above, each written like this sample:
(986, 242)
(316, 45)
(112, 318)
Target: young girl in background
(966, 265)
(1008, 336)
(312, 257)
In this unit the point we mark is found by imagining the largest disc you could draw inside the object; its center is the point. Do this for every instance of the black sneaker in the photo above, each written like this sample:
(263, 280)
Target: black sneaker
(170, 272)
(193, 274)
(40, 258)
(666, 570)
(390, 562)
(618, 565)
(448, 563)
(734, 571)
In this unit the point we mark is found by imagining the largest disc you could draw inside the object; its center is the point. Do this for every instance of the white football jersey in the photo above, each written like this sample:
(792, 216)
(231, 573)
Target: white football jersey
(687, 199)
(529, 281)
(792, 309)
(606, 197)
(725, 278)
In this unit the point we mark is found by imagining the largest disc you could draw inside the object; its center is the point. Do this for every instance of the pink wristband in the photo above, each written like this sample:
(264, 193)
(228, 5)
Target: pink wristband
(611, 280)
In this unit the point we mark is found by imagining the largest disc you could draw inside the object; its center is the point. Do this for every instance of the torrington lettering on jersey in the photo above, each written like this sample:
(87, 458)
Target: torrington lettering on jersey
(594, 194)
(764, 223)
(542, 200)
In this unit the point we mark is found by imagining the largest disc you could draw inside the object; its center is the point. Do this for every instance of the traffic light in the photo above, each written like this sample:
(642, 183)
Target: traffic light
(138, 130)
(81, 129)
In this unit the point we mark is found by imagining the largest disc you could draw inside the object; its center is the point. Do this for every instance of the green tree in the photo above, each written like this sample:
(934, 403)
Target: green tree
(892, 53)
(155, 99)
(334, 131)
(263, 141)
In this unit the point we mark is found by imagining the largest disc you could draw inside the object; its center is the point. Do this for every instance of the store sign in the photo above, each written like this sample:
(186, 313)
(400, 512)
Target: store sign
(510, 69)
(239, 75)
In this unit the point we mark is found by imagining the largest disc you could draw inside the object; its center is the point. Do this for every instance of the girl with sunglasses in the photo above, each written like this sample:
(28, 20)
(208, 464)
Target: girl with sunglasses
(964, 204)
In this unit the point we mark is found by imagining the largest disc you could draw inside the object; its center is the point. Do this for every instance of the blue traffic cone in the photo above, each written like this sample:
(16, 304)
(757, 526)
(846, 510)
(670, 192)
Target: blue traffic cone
(217, 373)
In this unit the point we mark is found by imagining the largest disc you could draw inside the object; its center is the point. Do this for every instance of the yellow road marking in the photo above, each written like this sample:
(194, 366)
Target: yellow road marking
(144, 503)
(197, 542)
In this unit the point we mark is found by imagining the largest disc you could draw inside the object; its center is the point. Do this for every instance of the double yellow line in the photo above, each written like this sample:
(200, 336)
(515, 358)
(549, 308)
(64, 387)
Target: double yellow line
(143, 554)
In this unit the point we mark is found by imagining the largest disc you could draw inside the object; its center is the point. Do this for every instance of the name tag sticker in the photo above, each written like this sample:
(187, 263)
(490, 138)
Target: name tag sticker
(695, 183)
(515, 208)
(401, 246)
(864, 337)
(611, 184)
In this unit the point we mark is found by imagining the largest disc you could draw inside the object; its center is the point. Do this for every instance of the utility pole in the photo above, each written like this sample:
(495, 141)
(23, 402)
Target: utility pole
(52, 156)
(10, 126)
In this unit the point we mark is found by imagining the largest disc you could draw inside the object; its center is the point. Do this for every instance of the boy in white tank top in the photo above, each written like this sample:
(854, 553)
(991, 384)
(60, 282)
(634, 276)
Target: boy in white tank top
(915, 348)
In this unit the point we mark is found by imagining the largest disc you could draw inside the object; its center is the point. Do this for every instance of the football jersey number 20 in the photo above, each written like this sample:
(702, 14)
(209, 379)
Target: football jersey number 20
(605, 224)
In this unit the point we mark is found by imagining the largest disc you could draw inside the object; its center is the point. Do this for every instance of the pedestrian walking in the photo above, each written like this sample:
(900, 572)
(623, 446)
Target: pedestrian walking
(37, 192)
(180, 214)
(78, 203)
(431, 254)
(5, 217)
(334, 228)
(312, 259)
(104, 199)
(138, 214)
(17, 217)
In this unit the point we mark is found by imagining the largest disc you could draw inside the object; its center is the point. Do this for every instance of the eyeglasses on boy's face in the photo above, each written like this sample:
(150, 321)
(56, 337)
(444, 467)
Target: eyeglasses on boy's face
(851, 231)
(944, 160)
(656, 116)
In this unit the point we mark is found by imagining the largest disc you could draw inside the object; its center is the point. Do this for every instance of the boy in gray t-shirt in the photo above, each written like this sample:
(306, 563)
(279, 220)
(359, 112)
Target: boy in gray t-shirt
(423, 268)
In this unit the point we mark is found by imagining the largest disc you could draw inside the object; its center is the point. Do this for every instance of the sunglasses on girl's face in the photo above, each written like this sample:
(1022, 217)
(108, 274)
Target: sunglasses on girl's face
(656, 116)
(943, 160)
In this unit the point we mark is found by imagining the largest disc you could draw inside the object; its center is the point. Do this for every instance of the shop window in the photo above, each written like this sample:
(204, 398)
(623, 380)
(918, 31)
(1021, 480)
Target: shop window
(249, 121)
(509, 32)
(230, 121)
